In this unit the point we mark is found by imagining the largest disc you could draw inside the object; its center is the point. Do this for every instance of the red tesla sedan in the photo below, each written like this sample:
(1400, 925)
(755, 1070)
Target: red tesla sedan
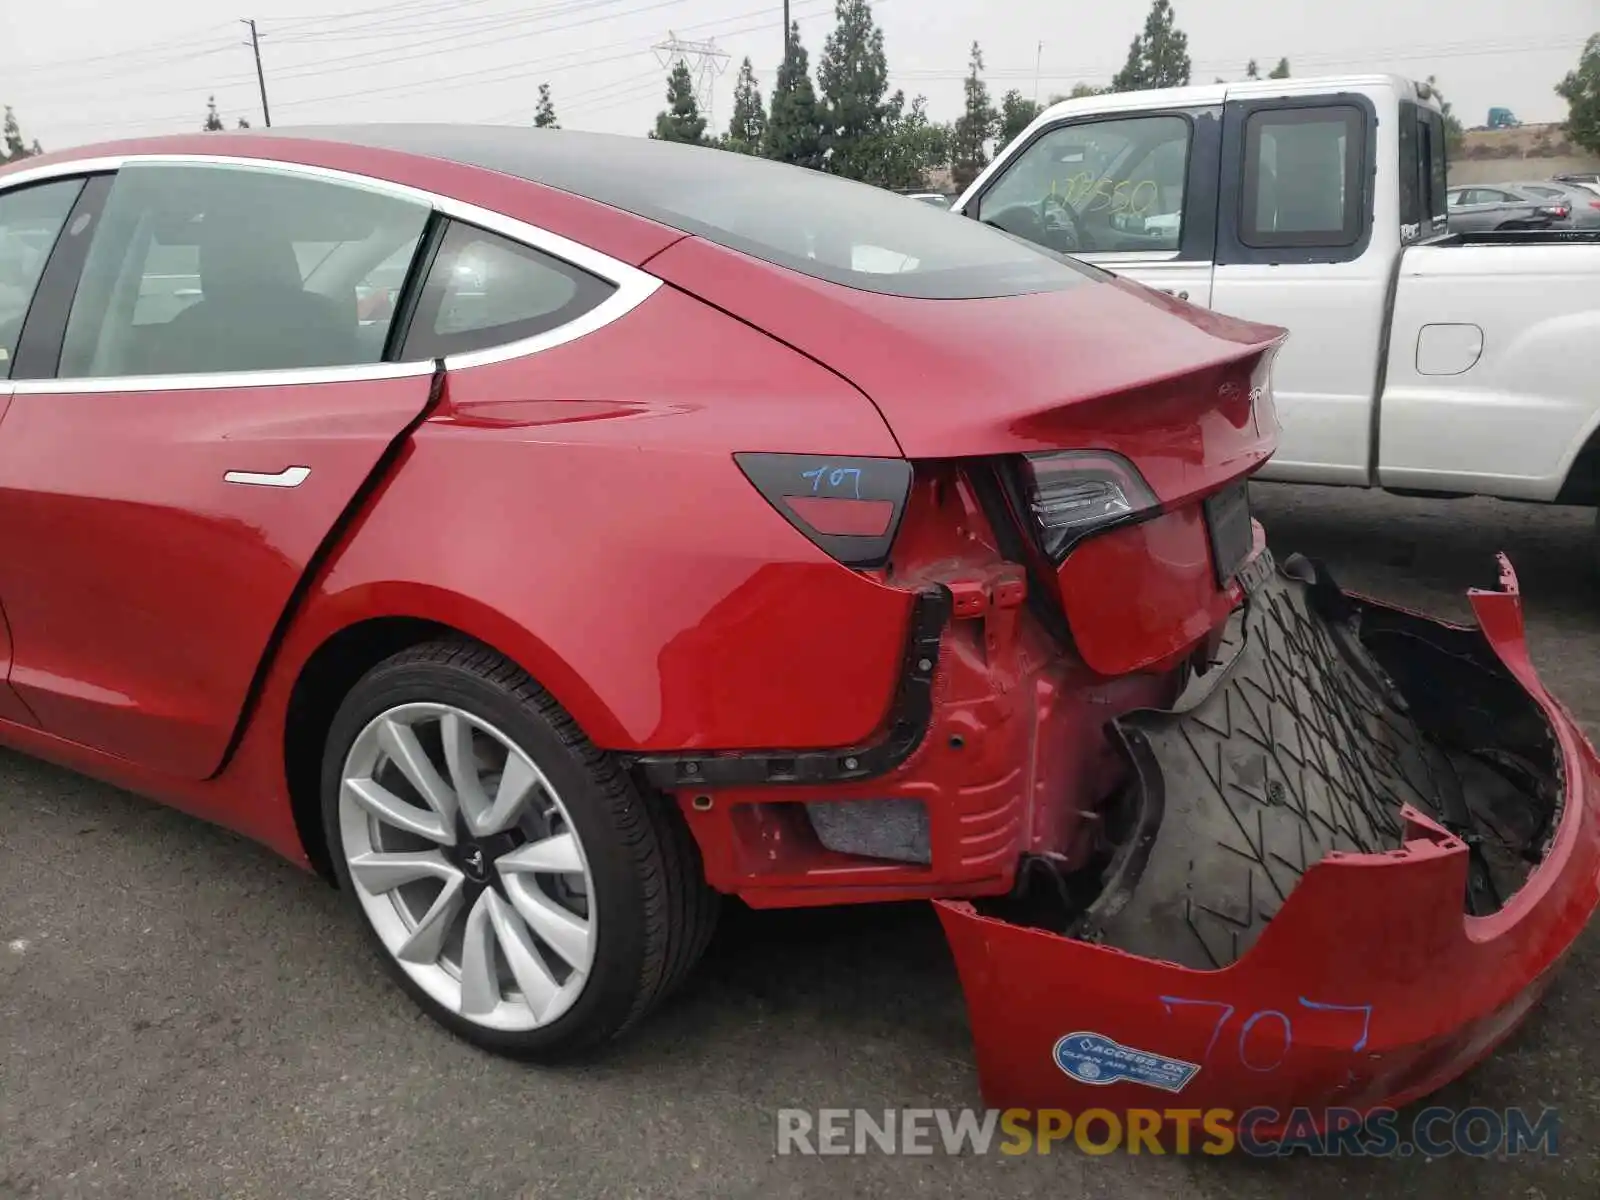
(542, 534)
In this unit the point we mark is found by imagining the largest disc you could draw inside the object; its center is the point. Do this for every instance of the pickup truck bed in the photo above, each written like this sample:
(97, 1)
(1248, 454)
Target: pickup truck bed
(1492, 379)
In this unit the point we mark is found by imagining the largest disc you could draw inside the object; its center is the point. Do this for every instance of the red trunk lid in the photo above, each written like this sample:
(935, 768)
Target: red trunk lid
(1104, 365)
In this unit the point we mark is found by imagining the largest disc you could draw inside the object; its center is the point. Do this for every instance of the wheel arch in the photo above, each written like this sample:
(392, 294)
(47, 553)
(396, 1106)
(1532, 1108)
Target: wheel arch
(346, 650)
(1581, 482)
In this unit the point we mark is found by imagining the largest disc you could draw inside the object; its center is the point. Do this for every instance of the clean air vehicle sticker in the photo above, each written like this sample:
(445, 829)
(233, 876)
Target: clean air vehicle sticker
(1095, 1059)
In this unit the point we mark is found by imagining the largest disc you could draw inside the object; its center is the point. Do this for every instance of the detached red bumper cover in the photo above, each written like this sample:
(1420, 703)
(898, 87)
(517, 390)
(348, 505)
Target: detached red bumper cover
(1374, 984)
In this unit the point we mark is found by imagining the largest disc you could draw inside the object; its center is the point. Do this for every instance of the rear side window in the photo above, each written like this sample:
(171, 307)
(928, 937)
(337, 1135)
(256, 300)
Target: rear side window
(485, 290)
(1302, 183)
(30, 219)
(1438, 165)
(204, 269)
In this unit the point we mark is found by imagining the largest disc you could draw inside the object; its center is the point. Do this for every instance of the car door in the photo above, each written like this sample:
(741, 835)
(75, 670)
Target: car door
(197, 406)
(1296, 221)
(1133, 192)
(31, 219)
(1469, 211)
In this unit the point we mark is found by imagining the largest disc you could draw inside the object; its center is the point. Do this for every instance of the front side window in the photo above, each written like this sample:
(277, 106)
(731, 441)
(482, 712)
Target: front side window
(1302, 172)
(223, 269)
(30, 219)
(1097, 186)
(485, 290)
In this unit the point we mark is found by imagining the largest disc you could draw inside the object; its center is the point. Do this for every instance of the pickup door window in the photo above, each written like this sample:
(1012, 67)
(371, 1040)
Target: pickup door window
(220, 403)
(1097, 187)
(1132, 192)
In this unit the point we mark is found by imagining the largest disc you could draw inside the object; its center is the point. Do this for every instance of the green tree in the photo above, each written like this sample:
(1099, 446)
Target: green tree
(680, 121)
(916, 146)
(1251, 70)
(244, 123)
(852, 86)
(1281, 71)
(1016, 114)
(1454, 136)
(544, 113)
(749, 122)
(794, 126)
(1159, 57)
(1079, 91)
(969, 151)
(1581, 90)
(15, 145)
(213, 121)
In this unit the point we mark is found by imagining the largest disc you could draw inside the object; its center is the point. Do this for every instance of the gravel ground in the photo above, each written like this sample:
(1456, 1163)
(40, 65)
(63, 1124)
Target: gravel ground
(182, 1015)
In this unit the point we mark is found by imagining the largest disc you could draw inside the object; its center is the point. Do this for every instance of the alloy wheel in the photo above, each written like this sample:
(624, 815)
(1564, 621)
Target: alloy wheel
(467, 864)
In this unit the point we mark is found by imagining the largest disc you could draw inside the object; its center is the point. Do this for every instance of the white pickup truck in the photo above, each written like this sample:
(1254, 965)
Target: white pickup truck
(1418, 361)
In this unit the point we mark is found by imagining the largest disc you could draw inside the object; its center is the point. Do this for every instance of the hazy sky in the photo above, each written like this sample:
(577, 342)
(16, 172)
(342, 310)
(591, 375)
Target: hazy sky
(79, 70)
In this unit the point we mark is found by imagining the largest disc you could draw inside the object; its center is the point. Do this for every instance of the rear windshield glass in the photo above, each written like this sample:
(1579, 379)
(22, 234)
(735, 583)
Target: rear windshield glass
(831, 228)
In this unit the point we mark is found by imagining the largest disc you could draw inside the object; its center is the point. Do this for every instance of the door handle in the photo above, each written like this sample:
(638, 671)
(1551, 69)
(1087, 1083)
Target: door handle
(1184, 295)
(287, 478)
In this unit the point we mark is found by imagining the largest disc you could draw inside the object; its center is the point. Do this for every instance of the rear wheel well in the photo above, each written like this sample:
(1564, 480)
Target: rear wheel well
(324, 682)
(1582, 484)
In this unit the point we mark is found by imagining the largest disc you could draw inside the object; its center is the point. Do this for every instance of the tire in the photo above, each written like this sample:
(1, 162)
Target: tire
(1299, 748)
(538, 957)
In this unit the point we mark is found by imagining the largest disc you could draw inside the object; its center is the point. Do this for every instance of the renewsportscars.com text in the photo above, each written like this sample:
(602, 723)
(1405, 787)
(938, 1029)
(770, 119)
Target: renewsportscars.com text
(1383, 1133)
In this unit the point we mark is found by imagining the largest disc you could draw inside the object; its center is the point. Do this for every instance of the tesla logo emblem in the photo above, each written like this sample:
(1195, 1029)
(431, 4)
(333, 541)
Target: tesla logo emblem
(473, 861)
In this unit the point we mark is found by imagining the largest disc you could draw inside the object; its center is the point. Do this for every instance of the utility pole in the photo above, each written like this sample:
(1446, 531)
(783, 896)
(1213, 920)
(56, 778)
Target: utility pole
(1037, 59)
(785, 59)
(255, 45)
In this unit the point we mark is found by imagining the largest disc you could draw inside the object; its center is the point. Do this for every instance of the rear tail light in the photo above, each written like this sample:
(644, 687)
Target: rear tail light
(849, 507)
(1071, 494)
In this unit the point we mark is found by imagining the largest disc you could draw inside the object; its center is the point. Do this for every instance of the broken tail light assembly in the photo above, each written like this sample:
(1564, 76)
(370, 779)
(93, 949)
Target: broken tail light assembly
(1068, 495)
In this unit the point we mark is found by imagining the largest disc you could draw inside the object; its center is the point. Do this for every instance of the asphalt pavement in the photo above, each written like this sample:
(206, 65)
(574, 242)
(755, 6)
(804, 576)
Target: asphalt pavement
(183, 1015)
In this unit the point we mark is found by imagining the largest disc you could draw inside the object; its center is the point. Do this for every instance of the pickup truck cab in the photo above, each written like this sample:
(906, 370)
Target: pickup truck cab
(1418, 360)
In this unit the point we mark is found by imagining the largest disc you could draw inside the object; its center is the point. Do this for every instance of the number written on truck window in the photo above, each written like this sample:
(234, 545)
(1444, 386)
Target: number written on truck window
(1096, 186)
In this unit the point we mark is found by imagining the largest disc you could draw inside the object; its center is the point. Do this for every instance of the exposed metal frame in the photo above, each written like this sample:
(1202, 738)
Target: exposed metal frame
(633, 285)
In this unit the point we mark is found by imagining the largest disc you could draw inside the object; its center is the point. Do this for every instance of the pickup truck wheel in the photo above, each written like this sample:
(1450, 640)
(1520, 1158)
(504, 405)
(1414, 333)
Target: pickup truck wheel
(514, 880)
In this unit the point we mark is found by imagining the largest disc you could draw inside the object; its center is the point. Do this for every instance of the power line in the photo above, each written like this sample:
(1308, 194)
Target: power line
(428, 48)
(121, 55)
(501, 74)
(1347, 57)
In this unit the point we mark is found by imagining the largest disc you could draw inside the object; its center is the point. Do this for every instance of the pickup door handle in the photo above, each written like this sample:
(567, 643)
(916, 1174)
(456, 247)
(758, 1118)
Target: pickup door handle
(287, 478)
(1180, 295)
